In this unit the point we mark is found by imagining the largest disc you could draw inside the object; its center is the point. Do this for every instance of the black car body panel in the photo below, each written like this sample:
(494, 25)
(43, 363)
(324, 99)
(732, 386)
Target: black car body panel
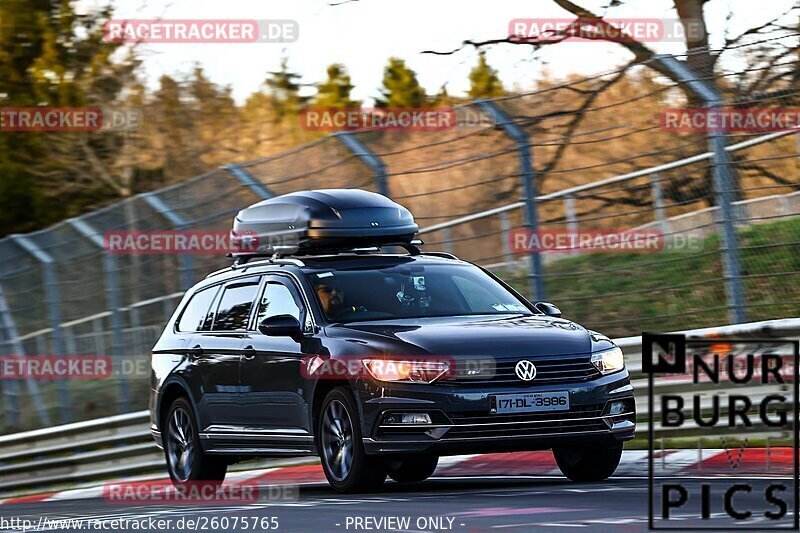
(251, 396)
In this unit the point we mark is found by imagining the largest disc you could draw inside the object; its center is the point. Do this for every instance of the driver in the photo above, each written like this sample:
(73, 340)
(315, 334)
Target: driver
(331, 295)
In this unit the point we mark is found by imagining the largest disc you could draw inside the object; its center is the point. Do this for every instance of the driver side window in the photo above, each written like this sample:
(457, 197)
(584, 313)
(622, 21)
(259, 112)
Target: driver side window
(278, 299)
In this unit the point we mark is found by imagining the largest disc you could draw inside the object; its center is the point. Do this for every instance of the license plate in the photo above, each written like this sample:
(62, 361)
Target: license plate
(529, 402)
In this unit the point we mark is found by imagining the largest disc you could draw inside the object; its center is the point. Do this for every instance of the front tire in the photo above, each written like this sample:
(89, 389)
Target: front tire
(186, 462)
(412, 469)
(588, 464)
(347, 467)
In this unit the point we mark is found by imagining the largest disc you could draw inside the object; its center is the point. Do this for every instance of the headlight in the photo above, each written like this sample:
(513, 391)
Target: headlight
(414, 371)
(609, 361)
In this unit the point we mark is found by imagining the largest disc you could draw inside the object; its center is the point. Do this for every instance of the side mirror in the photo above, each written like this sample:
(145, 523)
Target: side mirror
(281, 326)
(548, 309)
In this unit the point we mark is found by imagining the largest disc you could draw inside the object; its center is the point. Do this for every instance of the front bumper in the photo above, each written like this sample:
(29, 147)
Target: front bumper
(462, 423)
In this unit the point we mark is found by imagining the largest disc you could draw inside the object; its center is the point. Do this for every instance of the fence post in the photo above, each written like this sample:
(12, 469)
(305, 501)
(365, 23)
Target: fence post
(53, 304)
(658, 204)
(572, 221)
(368, 157)
(178, 222)
(249, 181)
(113, 301)
(724, 182)
(447, 243)
(505, 231)
(7, 338)
(10, 337)
(528, 178)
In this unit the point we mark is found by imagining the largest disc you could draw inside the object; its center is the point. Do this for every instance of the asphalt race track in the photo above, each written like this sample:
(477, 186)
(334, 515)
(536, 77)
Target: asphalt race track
(467, 504)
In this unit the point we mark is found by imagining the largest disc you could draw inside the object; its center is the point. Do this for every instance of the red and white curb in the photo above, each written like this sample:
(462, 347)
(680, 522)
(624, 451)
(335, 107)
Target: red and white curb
(752, 461)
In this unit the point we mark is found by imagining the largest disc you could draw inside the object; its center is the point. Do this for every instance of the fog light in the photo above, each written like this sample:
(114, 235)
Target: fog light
(407, 418)
(616, 408)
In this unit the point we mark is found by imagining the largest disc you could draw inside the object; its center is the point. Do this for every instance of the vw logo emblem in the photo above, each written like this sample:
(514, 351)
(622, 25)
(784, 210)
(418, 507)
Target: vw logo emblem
(525, 370)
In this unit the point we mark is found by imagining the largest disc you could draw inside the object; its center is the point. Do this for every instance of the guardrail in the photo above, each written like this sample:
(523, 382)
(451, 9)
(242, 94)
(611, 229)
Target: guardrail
(121, 445)
(101, 448)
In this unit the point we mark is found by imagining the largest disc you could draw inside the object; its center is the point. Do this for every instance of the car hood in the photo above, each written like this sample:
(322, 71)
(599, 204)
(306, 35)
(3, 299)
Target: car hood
(472, 335)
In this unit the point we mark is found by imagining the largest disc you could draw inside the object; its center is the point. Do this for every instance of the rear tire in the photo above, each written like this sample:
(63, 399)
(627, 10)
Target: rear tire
(347, 467)
(186, 462)
(588, 464)
(413, 469)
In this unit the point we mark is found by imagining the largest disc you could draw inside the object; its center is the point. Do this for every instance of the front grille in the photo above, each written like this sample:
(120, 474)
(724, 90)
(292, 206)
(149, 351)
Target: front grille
(579, 418)
(553, 370)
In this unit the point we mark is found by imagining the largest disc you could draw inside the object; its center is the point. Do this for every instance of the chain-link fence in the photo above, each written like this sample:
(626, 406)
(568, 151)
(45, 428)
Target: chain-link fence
(590, 155)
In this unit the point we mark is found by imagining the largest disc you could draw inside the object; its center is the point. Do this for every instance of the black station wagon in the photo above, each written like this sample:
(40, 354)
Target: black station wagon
(378, 362)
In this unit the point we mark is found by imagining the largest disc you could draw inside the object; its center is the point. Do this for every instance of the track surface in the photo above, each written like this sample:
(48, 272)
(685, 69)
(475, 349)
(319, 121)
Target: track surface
(465, 504)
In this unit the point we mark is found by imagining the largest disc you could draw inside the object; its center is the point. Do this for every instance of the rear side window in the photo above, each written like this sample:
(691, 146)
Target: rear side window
(194, 315)
(234, 308)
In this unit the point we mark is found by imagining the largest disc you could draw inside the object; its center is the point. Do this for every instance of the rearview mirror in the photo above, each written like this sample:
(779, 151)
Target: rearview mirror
(281, 326)
(548, 309)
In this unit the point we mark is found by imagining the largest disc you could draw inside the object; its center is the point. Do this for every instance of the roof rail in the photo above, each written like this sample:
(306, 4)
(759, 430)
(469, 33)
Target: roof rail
(411, 247)
(243, 261)
(446, 255)
(235, 266)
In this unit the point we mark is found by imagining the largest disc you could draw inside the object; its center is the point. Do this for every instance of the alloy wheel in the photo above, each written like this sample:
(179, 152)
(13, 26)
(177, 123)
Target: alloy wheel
(337, 440)
(180, 444)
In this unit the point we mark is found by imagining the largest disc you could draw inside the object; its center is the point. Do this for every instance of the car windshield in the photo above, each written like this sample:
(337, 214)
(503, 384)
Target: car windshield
(411, 290)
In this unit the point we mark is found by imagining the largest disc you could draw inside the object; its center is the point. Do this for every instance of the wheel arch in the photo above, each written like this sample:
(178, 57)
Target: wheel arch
(171, 391)
(323, 387)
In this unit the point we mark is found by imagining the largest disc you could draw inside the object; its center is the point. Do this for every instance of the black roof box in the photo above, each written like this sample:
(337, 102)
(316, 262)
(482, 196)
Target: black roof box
(318, 221)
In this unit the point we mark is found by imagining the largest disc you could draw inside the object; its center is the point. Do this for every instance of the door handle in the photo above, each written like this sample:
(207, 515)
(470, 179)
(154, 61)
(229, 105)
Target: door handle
(196, 351)
(249, 352)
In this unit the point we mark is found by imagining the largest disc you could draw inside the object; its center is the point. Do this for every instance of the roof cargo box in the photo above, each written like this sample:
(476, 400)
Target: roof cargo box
(320, 220)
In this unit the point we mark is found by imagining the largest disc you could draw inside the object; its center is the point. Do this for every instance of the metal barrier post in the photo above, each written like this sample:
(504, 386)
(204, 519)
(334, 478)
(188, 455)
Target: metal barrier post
(569, 214)
(249, 181)
(187, 270)
(505, 232)
(724, 181)
(53, 310)
(447, 243)
(368, 157)
(10, 337)
(10, 387)
(658, 204)
(528, 177)
(113, 301)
